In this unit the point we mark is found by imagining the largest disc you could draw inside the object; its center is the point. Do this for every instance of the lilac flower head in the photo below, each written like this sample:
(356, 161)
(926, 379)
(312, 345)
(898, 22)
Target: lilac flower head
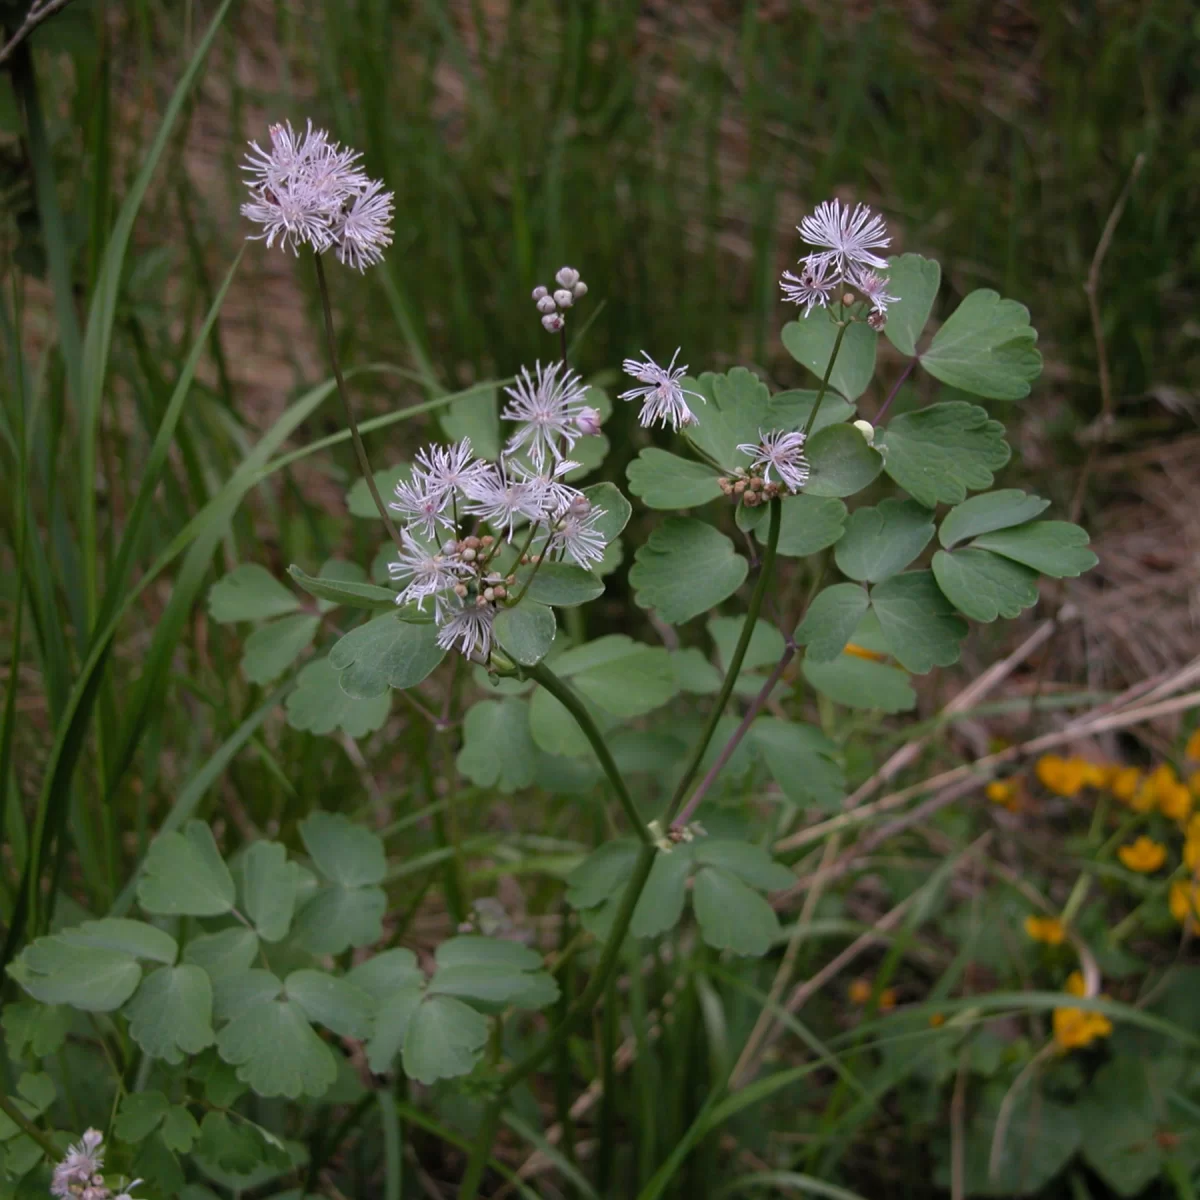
(846, 238)
(500, 496)
(81, 1163)
(781, 452)
(422, 502)
(874, 287)
(366, 228)
(548, 405)
(425, 572)
(553, 495)
(813, 286)
(309, 191)
(661, 392)
(450, 468)
(468, 629)
(574, 533)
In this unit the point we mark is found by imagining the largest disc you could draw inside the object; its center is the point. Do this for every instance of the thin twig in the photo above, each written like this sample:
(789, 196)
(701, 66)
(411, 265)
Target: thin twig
(38, 12)
(983, 769)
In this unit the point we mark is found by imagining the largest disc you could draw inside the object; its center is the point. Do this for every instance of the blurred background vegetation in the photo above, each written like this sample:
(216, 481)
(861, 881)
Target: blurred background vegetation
(665, 149)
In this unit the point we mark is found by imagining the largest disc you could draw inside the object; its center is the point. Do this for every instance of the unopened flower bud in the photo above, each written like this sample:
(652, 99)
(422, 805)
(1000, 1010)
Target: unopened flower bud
(739, 487)
(564, 298)
(460, 590)
(877, 321)
(451, 547)
(471, 542)
(756, 482)
(751, 499)
(489, 593)
(510, 579)
(539, 292)
(848, 298)
(552, 322)
(468, 555)
(866, 429)
(579, 290)
(487, 539)
(500, 591)
(546, 303)
(588, 420)
(566, 277)
(480, 602)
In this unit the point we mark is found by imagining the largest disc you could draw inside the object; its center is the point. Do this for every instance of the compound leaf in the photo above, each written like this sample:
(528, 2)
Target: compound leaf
(914, 281)
(184, 875)
(170, 1015)
(882, 541)
(919, 624)
(685, 568)
(988, 512)
(986, 347)
(249, 593)
(938, 454)
(983, 585)
(498, 750)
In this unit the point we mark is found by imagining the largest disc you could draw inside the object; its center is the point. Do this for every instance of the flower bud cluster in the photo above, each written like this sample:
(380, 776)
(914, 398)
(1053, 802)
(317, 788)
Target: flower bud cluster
(553, 304)
(752, 490)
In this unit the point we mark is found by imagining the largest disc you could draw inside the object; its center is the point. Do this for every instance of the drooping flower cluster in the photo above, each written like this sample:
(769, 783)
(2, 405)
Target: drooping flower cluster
(846, 241)
(79, 1174)
(553, 304)
(471, 526)
(662, 394)
(306, 190)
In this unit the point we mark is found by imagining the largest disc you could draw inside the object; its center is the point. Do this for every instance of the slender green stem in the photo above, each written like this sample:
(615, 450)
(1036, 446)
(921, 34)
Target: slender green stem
(735, 663)
(837, 345)
(566, 696)
(581, 1008)
(27, 1127)
(364, 463)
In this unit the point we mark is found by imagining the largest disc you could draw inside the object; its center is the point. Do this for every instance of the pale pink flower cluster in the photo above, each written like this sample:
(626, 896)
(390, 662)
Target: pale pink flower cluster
(846, 241)
(461, 512)
(79, 1176)
(306, 190)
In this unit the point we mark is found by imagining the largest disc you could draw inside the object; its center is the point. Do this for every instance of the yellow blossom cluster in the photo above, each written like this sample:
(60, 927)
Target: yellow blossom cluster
(1075, 1028)
(859, 992)
(1046, 929)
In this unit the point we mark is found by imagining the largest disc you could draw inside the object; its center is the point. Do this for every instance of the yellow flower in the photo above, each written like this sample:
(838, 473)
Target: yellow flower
(1194, 783)
(1174, 801)
(887, 999)
(1192, 749)
(1075, 984)
(1075, 1028)
(863, 652)
(1046, 929)
(937, 1020)
(1191, 852)
(1094, 775)
(1063, 776)
(1007, 793)
(1192, 832)
(1145, 798)
(1124, 783)
(1183, 900)
(1144, 855)
(859, 992)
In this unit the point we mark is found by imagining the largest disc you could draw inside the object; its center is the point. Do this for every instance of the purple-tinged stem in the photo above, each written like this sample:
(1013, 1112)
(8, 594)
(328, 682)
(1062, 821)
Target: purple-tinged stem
(912, 362)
